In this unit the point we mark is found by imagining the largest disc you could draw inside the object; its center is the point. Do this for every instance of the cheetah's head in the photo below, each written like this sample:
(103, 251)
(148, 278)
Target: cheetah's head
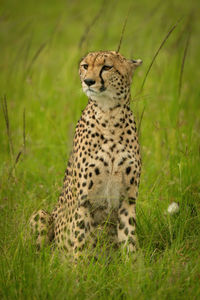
(107, 75)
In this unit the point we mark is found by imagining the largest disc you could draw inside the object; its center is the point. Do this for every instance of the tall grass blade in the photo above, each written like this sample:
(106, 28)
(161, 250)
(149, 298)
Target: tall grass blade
(24, 130)
(91, 24)
(140, 121)
(122, 33)
(36, 55)
(6, 117)
(183, 63)
(157, 52)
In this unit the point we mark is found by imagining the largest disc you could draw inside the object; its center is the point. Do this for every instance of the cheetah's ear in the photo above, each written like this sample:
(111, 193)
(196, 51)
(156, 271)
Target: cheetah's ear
(133, 64)
(136, 63)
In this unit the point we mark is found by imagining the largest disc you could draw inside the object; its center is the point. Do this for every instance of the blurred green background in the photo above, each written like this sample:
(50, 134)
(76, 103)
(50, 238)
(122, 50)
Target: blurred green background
(41, 44)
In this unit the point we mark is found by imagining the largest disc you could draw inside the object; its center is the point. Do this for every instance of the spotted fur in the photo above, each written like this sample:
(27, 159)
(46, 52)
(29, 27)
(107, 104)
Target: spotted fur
(103, 173)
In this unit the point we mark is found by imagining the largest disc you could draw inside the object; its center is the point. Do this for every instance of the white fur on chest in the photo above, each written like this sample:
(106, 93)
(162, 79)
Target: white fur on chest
(110, 191)
(107, 193)
(110, 186)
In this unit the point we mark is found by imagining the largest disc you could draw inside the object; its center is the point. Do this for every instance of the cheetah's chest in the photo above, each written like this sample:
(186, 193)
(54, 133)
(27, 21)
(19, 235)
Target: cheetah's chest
(110, 184)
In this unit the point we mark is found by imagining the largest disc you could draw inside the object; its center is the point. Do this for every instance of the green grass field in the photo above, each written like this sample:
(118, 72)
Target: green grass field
(41, 43)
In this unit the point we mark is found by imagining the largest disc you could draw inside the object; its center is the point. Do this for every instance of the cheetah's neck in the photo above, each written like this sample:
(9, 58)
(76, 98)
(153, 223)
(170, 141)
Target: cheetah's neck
(112, 116)
(109, 103)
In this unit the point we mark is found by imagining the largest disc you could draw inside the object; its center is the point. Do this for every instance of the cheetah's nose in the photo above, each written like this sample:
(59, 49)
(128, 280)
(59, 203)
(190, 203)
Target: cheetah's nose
(89, 81)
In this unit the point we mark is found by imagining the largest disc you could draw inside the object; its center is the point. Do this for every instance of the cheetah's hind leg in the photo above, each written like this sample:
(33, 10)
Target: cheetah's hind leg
(41, 224)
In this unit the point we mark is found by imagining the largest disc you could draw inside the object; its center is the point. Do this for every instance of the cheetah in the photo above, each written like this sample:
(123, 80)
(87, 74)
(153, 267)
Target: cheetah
(103, 173)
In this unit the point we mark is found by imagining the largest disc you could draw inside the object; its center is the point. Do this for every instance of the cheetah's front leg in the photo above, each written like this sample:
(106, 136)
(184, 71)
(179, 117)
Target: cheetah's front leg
(41, 224)
(81, 233)
(127, 225)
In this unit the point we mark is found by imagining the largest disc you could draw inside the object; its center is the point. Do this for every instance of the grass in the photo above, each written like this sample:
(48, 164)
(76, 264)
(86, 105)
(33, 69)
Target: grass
(41, 44)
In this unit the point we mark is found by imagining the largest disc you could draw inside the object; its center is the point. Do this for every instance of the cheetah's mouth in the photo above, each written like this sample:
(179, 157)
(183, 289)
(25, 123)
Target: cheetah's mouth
(91, 90)
(102, 89)
(93, 93)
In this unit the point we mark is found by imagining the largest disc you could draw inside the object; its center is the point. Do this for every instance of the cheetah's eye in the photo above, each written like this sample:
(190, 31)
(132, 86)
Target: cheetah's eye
(85, 66)
(106, 68)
